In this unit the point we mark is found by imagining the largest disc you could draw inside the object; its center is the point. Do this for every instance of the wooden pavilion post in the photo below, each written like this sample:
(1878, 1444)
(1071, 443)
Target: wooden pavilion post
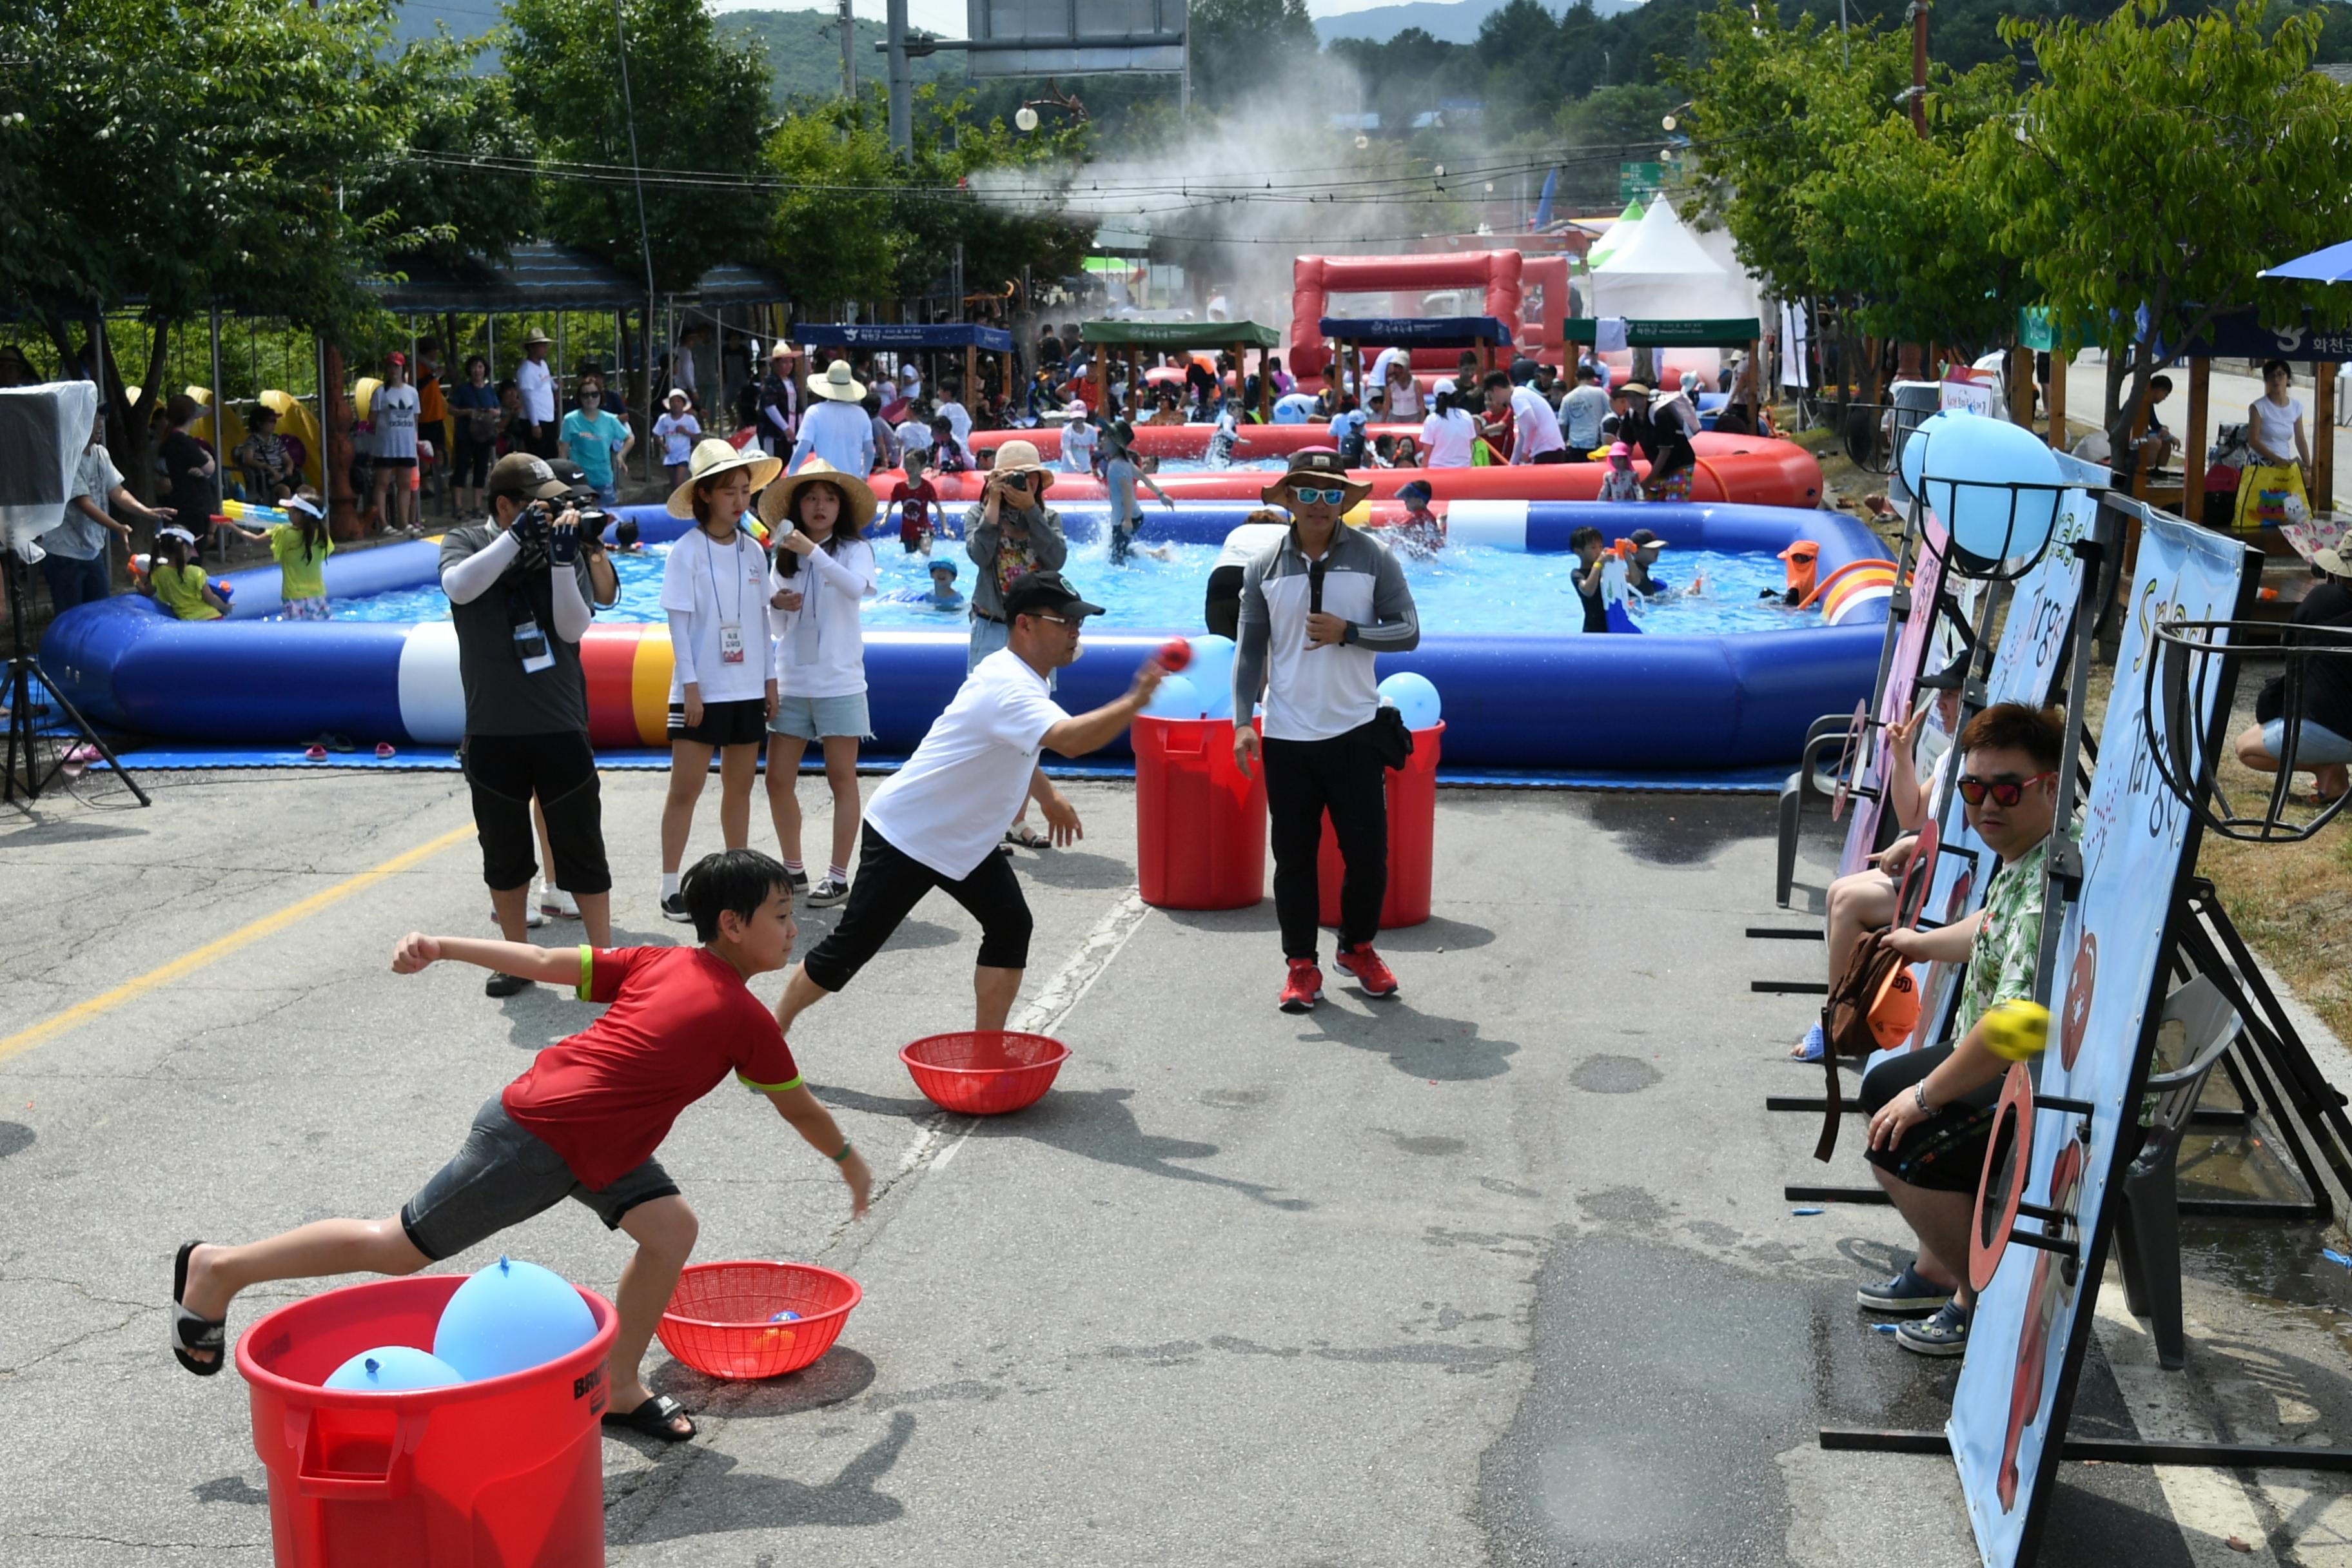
(1264, 385)
(2192, 460)
(2059, 360)
(1102, 379)
(2020, 385)
(970, 373)
(2322, 438)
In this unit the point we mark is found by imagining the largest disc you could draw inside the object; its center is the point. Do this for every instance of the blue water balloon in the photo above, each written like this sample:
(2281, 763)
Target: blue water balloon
(394, 1369)
(1177, 697)
(1971, 464)
(508, 1318)
(1212, 675)
(1413, 698)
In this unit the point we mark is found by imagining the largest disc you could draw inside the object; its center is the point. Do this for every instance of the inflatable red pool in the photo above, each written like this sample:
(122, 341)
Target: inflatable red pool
(1757, 470)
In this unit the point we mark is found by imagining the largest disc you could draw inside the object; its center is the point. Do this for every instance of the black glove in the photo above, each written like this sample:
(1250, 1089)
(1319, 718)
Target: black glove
(530, 527)
(563, 548)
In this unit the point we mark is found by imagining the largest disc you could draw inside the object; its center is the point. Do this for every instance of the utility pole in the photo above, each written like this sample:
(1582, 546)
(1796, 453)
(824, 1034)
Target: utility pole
(1920, 67)
(902, 81)
(848, 53)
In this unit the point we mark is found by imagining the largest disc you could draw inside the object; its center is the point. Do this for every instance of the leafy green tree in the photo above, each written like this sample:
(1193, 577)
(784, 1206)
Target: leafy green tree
(457, 217)
(2157, 165)
(1241, 48)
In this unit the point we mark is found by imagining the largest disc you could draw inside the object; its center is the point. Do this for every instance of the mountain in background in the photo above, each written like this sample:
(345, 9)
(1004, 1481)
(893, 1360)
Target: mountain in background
(803, 46)
(1447, 21)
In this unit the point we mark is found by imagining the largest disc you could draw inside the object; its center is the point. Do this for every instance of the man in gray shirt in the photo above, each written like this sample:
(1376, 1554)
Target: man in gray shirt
(518, 595)
(1581, 412)
(76, 564)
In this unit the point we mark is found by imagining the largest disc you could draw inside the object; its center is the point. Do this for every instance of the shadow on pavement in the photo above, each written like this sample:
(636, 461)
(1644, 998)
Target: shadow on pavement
(840, 1374)
(1096, 1124)
(1422, 1045)
(718, 1495)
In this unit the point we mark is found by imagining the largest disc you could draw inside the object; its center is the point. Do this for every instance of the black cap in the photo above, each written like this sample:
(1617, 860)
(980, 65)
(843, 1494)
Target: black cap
(574, 477)
(1044, 591)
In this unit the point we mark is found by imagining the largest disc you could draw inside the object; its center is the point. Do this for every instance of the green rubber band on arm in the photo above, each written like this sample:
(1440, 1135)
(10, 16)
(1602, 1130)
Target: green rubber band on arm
(846, 1150)
(792, 1083)
(587, 991)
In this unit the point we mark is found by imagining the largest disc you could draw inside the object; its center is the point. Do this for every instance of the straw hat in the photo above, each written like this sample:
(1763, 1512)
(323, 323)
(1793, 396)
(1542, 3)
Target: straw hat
(538, 338)
(1317, 463)
(713, 457)
(856, 497)
(1021, 457)
(838, 382)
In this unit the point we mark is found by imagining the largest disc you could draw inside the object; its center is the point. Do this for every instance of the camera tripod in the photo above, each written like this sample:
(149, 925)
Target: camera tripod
(22, 772)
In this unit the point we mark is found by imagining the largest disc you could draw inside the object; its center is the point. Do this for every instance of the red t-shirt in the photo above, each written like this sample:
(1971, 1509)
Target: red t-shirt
(914, 503)
(681, 1019)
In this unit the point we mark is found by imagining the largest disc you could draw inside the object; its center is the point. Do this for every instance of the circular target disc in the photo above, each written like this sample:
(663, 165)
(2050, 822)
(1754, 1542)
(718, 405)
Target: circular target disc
(2009, 1157)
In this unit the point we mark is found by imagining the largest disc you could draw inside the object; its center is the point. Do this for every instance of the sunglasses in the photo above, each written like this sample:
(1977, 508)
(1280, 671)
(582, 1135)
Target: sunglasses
(2004, 792)
(1306, 497)
(1057, 620)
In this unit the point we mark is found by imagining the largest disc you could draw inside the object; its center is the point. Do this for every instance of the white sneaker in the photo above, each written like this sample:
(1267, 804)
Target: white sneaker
(554, 901)
(532, 917)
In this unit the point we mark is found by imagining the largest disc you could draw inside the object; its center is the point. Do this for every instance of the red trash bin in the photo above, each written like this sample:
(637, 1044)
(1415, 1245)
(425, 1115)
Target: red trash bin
(1200, 825)
(1412, 827)
(508, 1471)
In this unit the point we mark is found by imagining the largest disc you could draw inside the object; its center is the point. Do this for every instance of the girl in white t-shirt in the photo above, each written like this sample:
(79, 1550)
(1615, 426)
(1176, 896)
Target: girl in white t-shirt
(677, 430)
(722, 689)
(1447, 433)
(824, 572)
(2281, 469)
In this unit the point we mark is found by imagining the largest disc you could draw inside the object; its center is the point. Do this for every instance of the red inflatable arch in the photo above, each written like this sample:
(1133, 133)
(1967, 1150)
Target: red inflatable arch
(1315, 279)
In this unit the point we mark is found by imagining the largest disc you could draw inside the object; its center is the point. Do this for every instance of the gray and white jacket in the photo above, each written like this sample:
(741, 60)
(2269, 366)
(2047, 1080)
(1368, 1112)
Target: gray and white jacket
(1316, 693)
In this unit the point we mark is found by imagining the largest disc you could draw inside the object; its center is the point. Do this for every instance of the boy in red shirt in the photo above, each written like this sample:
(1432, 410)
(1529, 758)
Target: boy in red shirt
(582, 1122)
(914, 497)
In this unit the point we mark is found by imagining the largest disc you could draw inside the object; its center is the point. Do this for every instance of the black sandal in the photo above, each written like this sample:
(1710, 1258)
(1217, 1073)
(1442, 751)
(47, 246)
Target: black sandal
(653, 1418)
(191, 1333)
(1028, 837)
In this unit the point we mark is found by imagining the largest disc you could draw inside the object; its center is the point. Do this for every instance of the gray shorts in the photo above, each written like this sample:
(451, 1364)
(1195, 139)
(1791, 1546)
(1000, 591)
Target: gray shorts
(500, 1177)
(821, 717)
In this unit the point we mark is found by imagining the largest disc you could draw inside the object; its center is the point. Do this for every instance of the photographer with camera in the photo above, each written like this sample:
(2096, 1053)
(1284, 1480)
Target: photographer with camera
(520, 587)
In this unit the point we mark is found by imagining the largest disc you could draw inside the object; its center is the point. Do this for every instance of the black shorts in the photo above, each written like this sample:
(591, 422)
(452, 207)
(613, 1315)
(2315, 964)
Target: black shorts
(1945, 1153)
(1221, 611)
(891, 882)
(504, 772)
(501, 1175)
(738, 723)
(395, 462)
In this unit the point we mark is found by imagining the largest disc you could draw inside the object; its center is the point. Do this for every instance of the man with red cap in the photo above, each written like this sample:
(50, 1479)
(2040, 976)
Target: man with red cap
(1316, 605)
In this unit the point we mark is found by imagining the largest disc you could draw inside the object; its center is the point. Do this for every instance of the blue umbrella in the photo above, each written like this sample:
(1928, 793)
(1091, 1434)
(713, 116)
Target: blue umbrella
(2333, 265)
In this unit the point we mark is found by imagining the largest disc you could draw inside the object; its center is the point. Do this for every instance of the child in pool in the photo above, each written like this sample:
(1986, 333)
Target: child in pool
(912, 499)
(302, 548)
(178, 585)
(627, 537)
(1418, 535)
(944, 594)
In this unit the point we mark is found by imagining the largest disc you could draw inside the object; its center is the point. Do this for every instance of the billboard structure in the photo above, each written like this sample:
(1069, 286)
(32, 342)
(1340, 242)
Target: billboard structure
(1075, 37)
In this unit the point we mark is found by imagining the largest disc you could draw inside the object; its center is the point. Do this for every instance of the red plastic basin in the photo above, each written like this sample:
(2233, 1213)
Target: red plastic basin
(720, 1319)
(985, 1072)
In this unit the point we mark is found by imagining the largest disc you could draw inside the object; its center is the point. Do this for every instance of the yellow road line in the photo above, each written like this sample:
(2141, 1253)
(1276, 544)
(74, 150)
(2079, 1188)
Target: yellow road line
(188, 964)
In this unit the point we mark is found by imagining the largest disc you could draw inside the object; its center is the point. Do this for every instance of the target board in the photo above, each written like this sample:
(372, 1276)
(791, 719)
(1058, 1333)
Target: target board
(1912, 635)
(2138, 841)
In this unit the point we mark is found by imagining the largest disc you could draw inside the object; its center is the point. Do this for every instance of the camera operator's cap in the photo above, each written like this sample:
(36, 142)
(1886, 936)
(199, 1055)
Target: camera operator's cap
(713, 457)
(1644, 539)
(521, 474)
(1044, 591)
(1317, 463)
(838, 382)
(574, 477)
(1019, 457)
(856, 497)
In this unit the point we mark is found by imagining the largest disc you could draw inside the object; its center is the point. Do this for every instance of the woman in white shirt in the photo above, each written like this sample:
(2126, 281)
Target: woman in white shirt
(1447, 433)
(824, 572)
(723, 689)
(2281, 468)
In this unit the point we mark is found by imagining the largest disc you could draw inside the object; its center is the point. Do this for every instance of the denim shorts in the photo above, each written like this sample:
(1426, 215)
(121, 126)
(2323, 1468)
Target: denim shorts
(2313, 743)
(822, 718)
(500, 1177)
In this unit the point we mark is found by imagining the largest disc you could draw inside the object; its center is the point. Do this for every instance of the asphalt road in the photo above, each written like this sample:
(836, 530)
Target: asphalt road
(1495, 1272)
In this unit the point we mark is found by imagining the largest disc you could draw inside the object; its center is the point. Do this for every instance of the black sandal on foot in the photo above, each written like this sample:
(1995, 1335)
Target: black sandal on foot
(653, 1418)
(191, 1333)
(1028, 837)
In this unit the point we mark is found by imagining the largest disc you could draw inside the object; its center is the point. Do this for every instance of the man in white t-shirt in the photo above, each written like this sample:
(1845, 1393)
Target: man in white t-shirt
(536, 386)
(953, 411)
(938, 821)
(1537, 439)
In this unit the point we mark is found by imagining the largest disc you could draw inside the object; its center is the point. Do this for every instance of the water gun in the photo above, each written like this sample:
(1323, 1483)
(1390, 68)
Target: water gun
(1616, 592)
(247, 512)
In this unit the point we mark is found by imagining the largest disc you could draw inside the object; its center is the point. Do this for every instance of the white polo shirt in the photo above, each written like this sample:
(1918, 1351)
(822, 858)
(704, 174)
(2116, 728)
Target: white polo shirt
(1538, 426)
(714, 586)
(536, 383)
(948, 806)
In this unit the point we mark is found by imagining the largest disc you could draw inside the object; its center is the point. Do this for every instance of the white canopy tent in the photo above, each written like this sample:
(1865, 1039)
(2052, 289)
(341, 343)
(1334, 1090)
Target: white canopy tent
(1665, 271)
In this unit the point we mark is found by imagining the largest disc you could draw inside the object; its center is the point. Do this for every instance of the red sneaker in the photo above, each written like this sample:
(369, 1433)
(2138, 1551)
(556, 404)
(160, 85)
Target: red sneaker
(1370, 973)
(1304, 987)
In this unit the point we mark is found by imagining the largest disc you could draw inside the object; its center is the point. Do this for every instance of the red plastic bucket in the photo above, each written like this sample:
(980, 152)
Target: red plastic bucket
(508, 1471)
(1413, 830)
(1200, 825)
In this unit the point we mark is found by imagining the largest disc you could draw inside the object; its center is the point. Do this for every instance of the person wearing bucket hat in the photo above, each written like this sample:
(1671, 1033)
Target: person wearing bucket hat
(2323, 741)
(1013, 532)
(936, 823)
(837, 426)
(824, 572)
(1316, 609)
(678, 430)
(536, 383)
(722, 688)
(780, 402)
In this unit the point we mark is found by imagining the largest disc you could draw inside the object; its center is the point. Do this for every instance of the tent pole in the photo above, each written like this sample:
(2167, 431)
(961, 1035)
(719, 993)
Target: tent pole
(220, 421)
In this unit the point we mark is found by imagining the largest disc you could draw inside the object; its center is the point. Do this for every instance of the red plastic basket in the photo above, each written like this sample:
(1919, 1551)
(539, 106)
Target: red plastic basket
(985, 1072)
(719, 1320)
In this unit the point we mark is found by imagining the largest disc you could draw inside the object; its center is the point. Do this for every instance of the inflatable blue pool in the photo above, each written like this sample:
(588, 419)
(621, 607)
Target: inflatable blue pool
(1515, 699)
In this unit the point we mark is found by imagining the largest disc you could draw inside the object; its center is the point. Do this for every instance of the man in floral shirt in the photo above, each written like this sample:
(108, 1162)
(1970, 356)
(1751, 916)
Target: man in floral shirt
(1931, 1111)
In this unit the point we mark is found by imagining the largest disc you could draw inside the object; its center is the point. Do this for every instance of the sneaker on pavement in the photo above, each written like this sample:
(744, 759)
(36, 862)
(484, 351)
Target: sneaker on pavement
(800, 882)
(1945, 1334)
(674, 909)
(1811, 1047)
(1303, 987)
(1908, 1291)
(827, 893)
(1370, 973)
(554, 901)
(533, 916)
(504, 984)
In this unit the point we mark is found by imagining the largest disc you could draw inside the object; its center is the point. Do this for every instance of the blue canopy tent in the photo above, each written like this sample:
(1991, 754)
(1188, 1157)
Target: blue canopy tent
(2333, 265)
(905, 338)
(1348, 334)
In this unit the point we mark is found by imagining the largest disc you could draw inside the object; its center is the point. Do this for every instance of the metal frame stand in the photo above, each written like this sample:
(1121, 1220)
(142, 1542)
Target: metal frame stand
(24, 735)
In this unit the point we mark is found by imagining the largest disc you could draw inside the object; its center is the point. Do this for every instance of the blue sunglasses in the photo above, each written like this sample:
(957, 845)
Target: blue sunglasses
(1314, 497)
